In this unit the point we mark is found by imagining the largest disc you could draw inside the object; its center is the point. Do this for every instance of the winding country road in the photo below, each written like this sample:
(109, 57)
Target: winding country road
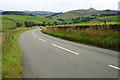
(44, 56)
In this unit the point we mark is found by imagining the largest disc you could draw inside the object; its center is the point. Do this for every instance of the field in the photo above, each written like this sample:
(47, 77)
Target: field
(104, 38)
(89, 23)
(107, 18)
(9, 21)
(11, 57)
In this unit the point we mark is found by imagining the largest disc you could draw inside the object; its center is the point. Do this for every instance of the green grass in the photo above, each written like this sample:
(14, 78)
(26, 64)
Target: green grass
(21, 19)
(11, 57)
(100, 38)
(89, 23)
(9, 21)
(107, 18)
(68, 18)
(6, 23)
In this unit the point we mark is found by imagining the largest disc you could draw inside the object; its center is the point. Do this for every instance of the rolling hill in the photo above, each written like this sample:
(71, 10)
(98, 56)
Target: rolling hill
(9, 21)
(39, 13)
(15, 13)
(67, 16)
(27, 13)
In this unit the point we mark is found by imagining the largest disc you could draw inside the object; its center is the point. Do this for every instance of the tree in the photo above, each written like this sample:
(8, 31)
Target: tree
(64, 23)
(38, 24)
(44, 23)
(18, 24)
(49, 24)
(26, 24)
(55, 22)
(30, 24)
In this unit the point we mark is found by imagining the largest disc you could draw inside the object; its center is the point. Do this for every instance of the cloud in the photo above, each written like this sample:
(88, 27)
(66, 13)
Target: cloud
(104, 4)
(58, 5)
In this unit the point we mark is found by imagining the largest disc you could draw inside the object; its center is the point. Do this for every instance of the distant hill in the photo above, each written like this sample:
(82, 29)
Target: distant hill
(27, 13)
(15, 13)
(39, 13)
(1, 10)
(84, 12)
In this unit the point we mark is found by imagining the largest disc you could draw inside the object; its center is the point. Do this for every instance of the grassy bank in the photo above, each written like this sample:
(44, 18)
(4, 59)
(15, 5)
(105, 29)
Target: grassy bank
(11, 57)
(101, 38)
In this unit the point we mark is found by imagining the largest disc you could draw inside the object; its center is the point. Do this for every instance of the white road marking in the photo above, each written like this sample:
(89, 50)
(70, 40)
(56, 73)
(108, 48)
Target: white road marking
(65, 49)
(42, 40)
(37, 34)
(38, 37)
(34, 34)
(114, 67)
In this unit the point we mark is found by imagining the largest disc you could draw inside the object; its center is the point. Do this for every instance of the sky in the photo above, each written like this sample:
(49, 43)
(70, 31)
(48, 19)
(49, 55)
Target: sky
(57, 5)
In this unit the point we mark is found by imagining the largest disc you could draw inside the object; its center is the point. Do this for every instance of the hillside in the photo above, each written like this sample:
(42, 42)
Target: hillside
(1, 10)
(15, 13)
(84, 12)
(9, 21)
(39, 13)
(107, 18)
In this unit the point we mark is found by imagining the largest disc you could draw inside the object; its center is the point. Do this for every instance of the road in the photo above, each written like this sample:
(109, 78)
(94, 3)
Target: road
(44, 56)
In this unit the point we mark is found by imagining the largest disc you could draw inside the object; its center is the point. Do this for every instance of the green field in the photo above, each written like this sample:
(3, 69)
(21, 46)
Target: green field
(88, 23)
(107, 18)
(9, 21)
(100, 19)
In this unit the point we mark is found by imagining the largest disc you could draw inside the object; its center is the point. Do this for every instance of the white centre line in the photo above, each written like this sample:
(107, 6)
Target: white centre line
(114, 67)
(42, 40)
(34, 34)
(65, 49)
(39, 38)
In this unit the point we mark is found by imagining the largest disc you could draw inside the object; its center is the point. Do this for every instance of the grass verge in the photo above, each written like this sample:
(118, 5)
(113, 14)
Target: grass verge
(107, 39)
(11, 57)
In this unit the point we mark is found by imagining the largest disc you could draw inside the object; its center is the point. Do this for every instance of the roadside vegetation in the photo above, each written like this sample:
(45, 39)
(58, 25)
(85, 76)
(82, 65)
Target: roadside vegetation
(11, 57)
(100, 37)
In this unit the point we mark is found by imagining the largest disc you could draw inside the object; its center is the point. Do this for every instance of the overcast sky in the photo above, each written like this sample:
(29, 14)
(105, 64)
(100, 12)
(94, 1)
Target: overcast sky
(57, 5)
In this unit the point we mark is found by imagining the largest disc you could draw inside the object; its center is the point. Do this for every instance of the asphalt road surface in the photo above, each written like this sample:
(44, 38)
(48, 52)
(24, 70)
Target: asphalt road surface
(44, 56)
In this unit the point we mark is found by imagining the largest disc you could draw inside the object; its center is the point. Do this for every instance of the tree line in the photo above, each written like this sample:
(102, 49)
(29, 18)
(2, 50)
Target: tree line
(31, 23)
(83, 19)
